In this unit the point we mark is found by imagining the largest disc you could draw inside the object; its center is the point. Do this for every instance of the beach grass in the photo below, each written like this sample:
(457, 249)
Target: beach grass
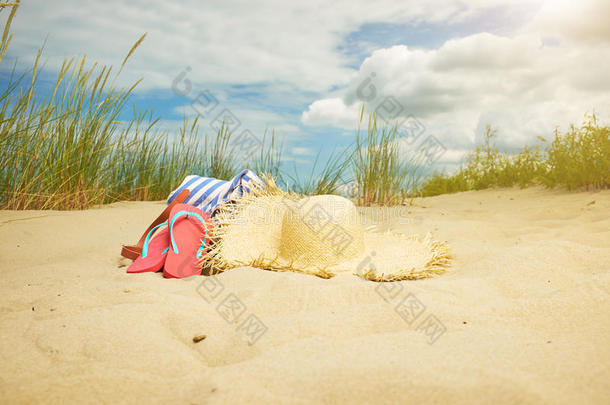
(269, 157)
(322, 179)
(578, 159)
(384, 173)
(222, 156)
(71, 150)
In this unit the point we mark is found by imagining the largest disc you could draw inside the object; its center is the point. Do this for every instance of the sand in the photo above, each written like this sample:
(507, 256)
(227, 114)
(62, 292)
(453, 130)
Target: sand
(522, 316)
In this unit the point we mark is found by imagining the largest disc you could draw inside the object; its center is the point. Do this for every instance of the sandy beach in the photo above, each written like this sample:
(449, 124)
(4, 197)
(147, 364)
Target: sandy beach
(521, 316)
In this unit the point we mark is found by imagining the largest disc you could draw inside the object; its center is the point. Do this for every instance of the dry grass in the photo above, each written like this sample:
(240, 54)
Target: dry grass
(383, 174)
(6, 37)
(71, 150)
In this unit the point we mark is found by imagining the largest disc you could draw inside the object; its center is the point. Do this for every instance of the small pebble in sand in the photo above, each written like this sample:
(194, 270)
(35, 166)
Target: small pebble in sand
(199, 338)
(464, 322)
(126, 291)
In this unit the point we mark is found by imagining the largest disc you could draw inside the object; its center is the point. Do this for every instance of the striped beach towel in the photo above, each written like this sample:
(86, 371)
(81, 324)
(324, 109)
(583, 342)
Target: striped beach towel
(207, 193)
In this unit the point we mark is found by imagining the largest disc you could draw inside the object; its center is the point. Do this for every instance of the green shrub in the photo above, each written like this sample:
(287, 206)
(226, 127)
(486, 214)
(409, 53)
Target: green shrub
(578, 159)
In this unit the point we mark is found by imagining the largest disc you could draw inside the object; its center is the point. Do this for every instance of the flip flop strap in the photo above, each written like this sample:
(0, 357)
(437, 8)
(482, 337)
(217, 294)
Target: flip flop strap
(187, 214)
(132, 252)
(147, 240)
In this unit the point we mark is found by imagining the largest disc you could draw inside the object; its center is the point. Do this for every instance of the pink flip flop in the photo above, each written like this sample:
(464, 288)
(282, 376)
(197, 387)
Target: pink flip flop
(154, 252)
(190, 230)
(132, 252)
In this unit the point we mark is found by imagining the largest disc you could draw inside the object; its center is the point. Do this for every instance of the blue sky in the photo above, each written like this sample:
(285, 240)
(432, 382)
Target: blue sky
(454, 66)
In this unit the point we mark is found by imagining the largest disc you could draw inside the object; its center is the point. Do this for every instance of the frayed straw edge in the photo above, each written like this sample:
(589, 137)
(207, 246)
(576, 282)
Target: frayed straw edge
(438, 264)
(223, 218)
(213, 261)
(215, 264)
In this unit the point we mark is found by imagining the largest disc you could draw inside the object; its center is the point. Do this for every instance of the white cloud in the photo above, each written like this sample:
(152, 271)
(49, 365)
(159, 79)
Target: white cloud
(223, 42)
(262, 123)
(333, 112)
(516, 84)
(574, 21)
(302, 151)
(453, 156)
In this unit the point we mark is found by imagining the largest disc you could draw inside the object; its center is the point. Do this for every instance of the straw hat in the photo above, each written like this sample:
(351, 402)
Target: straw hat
(320, 235)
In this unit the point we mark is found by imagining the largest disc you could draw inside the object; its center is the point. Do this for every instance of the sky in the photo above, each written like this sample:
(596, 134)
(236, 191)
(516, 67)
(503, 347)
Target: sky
(441, 69)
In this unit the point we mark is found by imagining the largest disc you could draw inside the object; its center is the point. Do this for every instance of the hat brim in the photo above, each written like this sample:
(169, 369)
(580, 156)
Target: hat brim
(249, 234)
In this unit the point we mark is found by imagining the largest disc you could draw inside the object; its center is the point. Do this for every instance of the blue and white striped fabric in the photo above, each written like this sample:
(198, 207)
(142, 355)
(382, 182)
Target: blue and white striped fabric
(207, 193)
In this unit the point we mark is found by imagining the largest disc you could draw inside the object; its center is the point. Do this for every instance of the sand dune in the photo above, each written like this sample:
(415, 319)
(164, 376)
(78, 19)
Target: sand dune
(523, 314)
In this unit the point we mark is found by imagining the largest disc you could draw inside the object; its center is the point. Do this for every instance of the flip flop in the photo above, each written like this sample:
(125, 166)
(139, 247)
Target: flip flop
(134, 251)
(190, 230)
(154, 252)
